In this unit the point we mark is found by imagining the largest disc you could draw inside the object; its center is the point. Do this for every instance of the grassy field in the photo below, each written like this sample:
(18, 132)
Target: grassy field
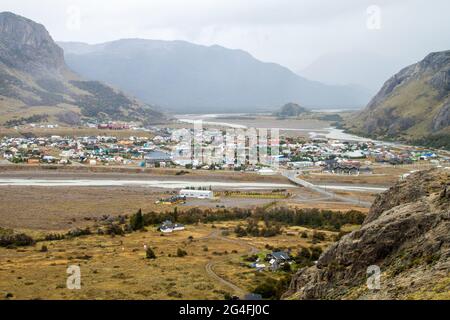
(72, 132)
(116, 267)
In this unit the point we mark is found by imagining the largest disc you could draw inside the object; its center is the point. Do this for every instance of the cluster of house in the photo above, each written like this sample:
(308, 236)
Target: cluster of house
(273, 261)
(92, 150)
(169, 227)
(165, 149)
(352, 157)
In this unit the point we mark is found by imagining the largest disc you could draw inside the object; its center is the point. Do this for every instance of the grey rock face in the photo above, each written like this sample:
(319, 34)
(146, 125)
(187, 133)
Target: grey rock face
(407, 232)
(33, 73)
(27, 46)
(442, 119)
(424, 88)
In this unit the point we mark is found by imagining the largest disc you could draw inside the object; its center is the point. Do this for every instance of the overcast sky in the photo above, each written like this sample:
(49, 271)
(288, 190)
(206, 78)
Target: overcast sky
(293, 33)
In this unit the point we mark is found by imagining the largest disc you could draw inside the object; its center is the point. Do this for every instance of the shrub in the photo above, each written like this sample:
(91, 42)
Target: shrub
(273, 289)
(53, 236)
(315, 253)
(181, 253)
(114, 229)
(13, 240)
(150, 254)
(318, 236)
(78, 232)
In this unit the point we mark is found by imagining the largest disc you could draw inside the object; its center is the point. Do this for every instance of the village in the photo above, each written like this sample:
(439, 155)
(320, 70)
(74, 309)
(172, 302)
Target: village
(165, 149)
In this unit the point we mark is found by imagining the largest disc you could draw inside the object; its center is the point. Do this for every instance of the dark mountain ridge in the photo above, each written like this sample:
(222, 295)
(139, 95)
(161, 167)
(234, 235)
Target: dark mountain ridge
(178, 75)
(34, 79)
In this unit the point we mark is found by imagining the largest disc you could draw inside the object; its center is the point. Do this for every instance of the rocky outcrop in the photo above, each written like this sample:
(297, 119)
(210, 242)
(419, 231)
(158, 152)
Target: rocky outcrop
(442, 119)
(291, 110)
(411, 105)
(28, 46)
(406, 234)
(33, 73)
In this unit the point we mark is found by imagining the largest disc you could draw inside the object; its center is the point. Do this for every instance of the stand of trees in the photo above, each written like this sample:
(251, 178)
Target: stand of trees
(313, 218)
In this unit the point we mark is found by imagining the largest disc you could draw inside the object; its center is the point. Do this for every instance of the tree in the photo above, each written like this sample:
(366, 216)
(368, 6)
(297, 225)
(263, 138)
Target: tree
(137, 221)
(149, 254)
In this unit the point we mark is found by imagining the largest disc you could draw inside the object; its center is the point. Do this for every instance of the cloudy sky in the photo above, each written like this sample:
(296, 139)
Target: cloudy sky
(294, 33)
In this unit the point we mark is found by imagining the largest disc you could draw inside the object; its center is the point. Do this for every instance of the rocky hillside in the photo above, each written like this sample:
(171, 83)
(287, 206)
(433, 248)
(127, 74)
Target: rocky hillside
(35, 80)
(412, 106)
(181, 76)
(406, 234)
(290, 110)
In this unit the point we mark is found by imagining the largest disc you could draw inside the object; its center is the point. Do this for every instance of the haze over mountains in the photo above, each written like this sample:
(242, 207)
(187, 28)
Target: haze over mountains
(35, 81)
(366, 69)
(185, 77)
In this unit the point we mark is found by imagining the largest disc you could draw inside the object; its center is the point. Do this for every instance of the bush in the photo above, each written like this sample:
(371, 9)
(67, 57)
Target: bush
(53, 236)
(303, 258)
(16, 240)
(315, 253)
(78, 232)
(114, 229)
(44, 248)
(150, 254)
(286, 267)
(181, 253)
(273, 289)
(318, 236)
(251, 258)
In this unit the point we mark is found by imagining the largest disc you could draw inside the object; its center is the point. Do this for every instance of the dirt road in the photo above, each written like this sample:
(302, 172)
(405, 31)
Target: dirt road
(209, 267)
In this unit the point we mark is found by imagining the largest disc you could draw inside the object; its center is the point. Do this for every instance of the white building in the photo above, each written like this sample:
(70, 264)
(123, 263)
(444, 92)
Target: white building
(266, 172)
(200, 194)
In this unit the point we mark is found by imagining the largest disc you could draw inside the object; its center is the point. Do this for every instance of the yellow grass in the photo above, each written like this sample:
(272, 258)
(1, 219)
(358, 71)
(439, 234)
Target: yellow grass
(116, 268)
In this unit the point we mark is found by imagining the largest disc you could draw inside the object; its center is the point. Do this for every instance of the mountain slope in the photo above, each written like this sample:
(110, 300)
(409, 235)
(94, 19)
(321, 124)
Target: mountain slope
(406, 234)
(34, 79)
(413, 105)
(183, 76)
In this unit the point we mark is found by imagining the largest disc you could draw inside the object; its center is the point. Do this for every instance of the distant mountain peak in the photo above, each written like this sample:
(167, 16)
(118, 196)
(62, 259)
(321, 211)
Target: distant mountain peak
(180, 76)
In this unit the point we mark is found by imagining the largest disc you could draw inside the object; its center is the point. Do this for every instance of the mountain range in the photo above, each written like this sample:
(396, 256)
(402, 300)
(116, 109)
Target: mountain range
(186, 77)
(35, 81)
(412, 106)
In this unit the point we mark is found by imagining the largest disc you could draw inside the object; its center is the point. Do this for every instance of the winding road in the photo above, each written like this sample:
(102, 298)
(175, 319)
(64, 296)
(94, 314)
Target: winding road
(209, 267)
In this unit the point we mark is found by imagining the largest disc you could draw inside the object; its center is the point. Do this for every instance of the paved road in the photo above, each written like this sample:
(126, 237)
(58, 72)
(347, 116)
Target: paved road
(209, 267)
(293, 177)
